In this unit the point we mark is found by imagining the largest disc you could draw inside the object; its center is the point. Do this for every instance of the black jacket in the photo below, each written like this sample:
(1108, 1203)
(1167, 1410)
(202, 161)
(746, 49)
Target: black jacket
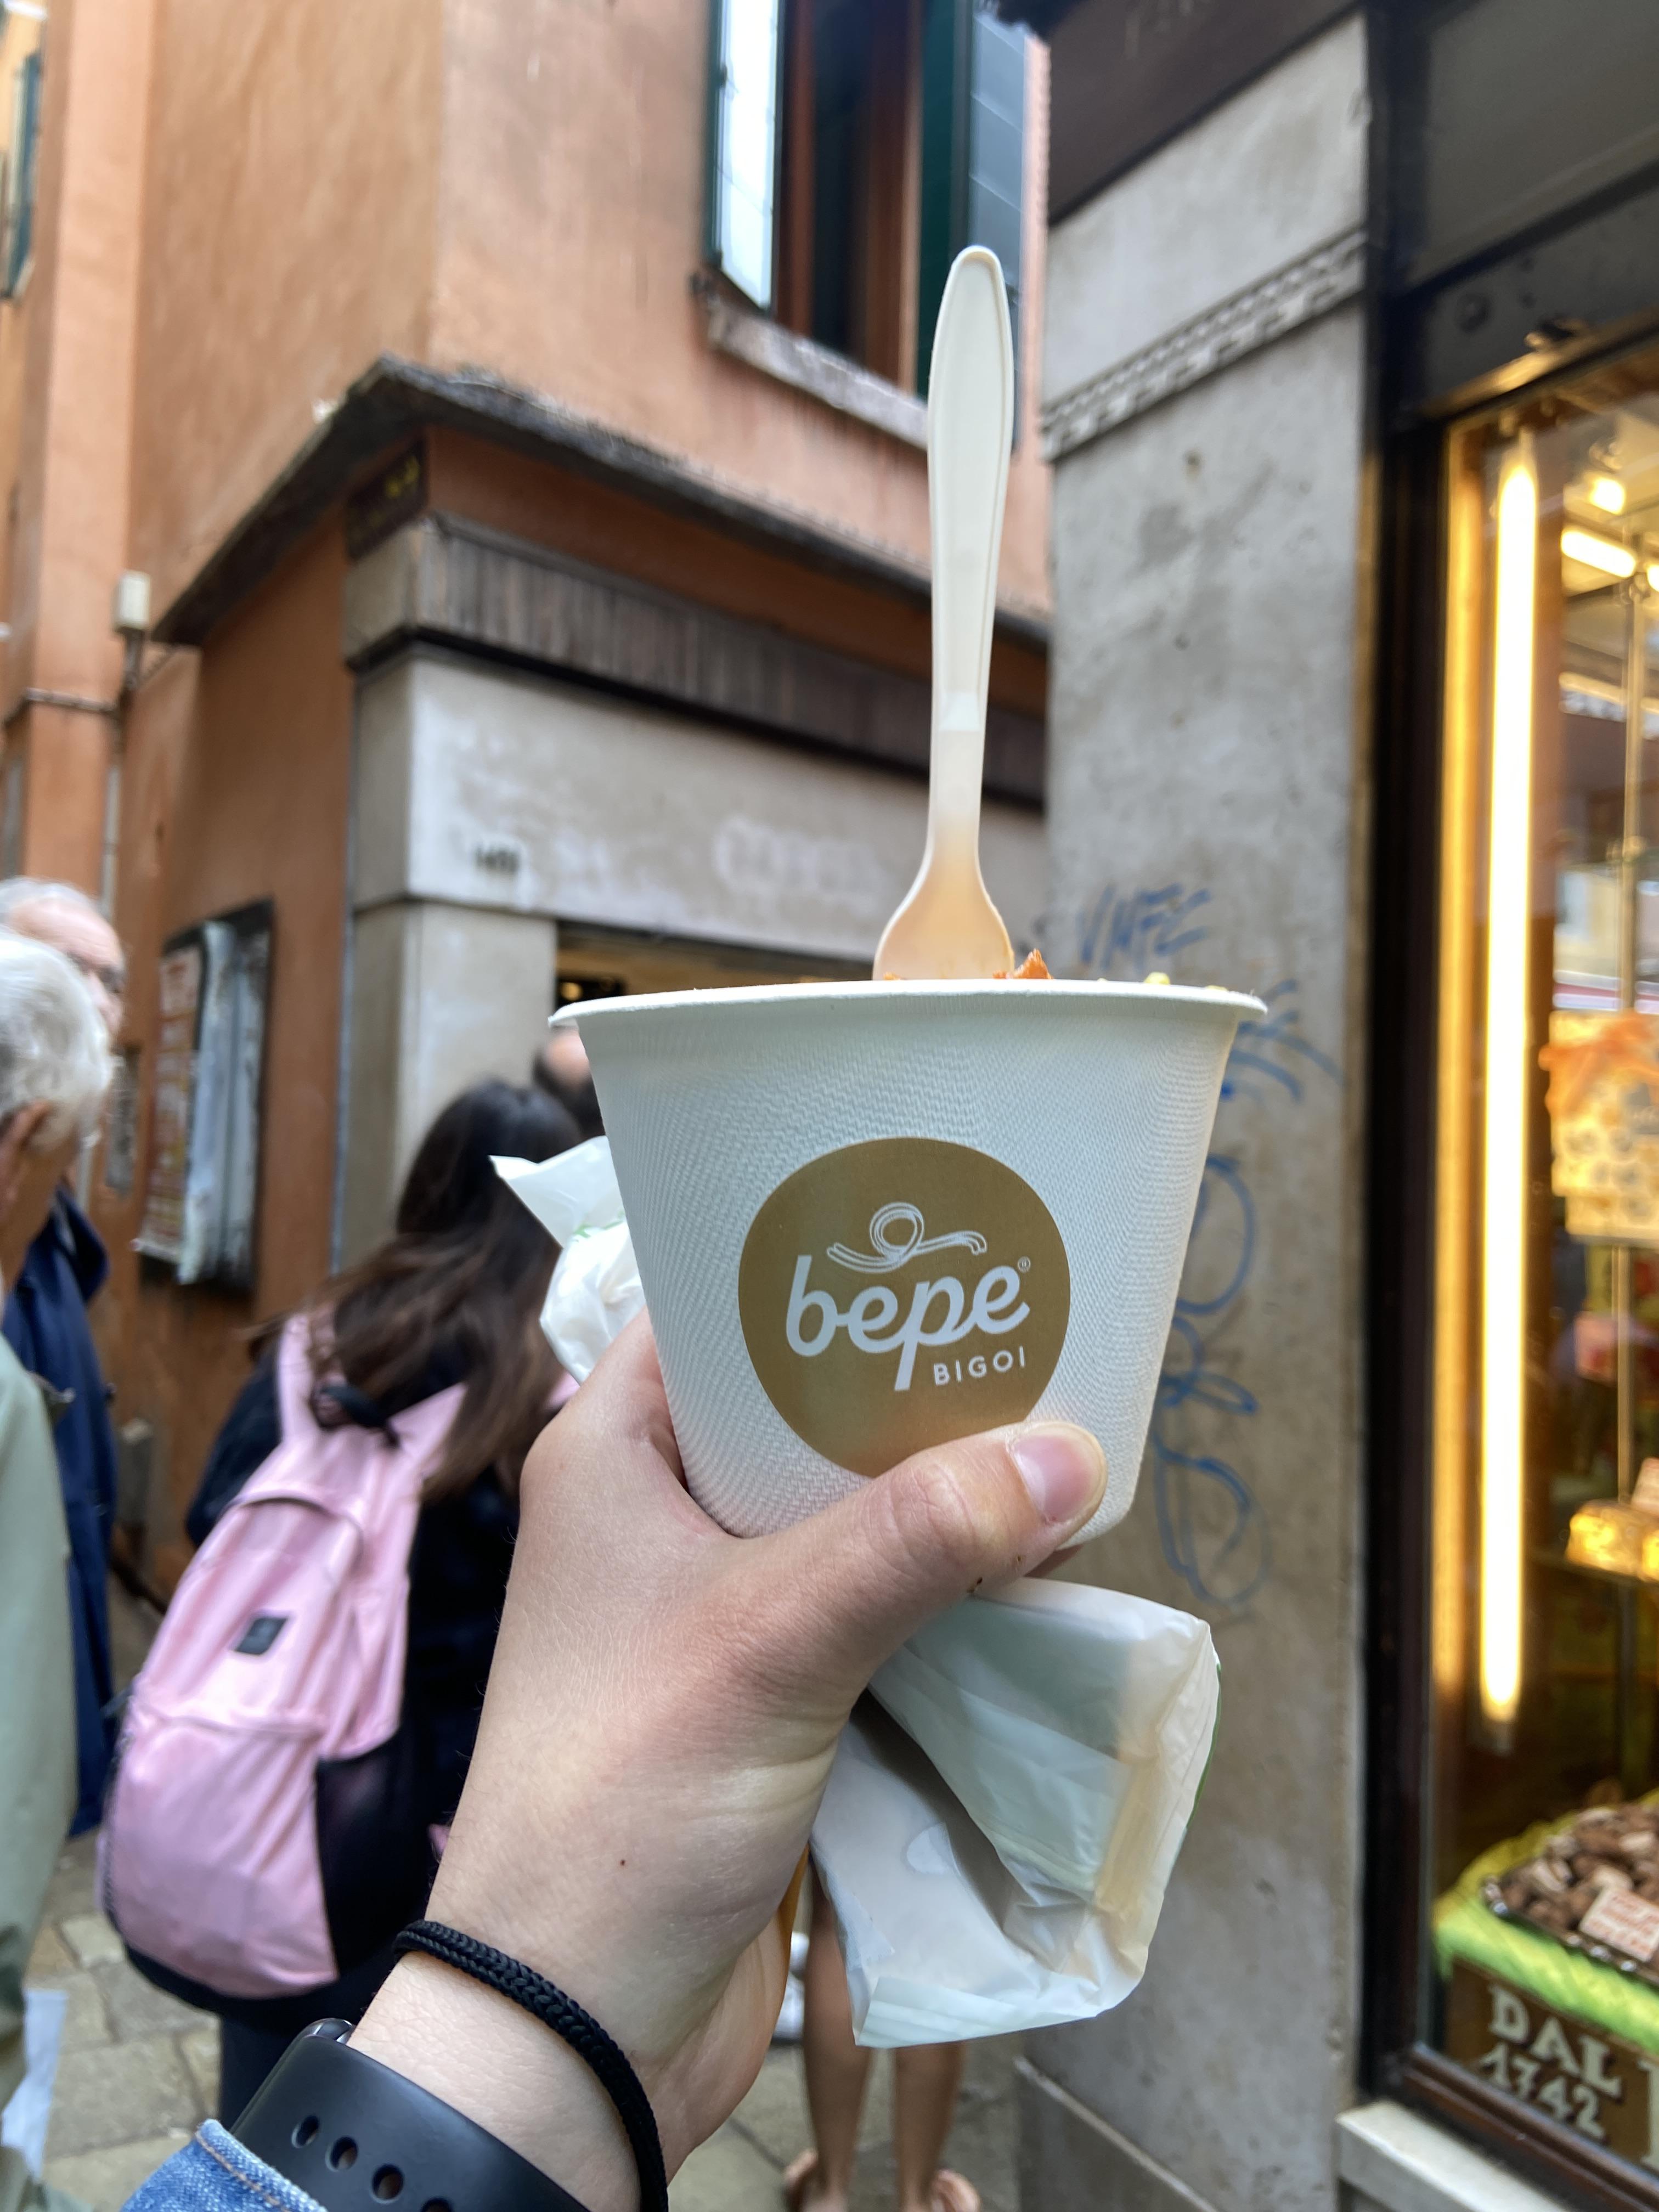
(46, 1326)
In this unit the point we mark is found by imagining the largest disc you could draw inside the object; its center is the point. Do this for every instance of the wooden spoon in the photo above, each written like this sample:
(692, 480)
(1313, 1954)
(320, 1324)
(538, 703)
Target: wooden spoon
(947, 924)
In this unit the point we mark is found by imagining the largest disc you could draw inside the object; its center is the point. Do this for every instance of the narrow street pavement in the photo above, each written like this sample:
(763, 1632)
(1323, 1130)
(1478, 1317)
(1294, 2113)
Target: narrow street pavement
(739, 2169)
(138, 2071)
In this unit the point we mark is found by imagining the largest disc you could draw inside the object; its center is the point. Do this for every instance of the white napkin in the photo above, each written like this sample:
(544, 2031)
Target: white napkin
(1005, 1811)
(595, 1291)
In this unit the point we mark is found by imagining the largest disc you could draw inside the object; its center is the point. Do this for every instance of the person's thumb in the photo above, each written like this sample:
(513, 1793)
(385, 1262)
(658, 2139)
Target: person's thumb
(846, 1587)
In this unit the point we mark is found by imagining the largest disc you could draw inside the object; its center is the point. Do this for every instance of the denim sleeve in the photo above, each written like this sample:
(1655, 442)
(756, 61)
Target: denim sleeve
(213, 2174)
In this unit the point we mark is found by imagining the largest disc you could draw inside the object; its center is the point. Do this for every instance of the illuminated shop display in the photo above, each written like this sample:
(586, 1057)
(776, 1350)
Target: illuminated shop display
(1543, 1855)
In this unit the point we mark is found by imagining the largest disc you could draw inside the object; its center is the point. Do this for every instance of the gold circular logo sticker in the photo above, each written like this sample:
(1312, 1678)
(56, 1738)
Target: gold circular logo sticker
(898, 1293)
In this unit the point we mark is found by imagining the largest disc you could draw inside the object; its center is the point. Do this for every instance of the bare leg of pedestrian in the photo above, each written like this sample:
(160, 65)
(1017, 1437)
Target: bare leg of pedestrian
(837, 2071)
(925, 2081)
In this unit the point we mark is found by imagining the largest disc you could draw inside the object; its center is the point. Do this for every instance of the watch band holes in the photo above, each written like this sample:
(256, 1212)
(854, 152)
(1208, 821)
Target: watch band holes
(436, 2205)
(343, 2153)
(388, 2184)
(305, 2132)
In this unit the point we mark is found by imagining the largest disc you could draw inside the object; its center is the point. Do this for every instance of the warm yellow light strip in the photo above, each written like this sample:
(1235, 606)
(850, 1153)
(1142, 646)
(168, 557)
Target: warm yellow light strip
(1504, 1196)
(1606, 554)
(1464, 749)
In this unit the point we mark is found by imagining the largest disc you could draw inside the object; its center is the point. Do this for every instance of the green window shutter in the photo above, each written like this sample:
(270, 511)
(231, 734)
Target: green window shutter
(947, 57)
(973, 152)
(20, 174)
(743, 143)
(996, 148)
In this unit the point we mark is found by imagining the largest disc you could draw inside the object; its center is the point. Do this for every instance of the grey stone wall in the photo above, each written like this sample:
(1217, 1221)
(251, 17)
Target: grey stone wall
(491, 805)
(1208, 817)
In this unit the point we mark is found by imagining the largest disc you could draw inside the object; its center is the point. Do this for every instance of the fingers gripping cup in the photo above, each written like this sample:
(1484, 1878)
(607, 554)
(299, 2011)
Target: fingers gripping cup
(872, 1217)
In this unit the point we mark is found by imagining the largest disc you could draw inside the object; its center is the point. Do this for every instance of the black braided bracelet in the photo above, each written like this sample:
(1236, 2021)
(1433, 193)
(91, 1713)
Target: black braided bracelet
(511, 1978)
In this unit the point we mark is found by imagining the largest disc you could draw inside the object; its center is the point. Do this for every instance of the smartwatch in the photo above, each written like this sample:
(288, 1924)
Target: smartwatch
(356, 2137)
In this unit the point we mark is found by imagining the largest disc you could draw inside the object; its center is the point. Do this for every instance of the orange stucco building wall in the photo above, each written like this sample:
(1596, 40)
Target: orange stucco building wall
(520, 187)
(289, 233)
(237, 788)
(240, 209)
(67, 344)
(570, 220)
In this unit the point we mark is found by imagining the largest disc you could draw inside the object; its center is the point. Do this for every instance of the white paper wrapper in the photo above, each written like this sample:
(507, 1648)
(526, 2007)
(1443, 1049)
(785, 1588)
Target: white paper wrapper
(1000, 1824)
(595, 1291)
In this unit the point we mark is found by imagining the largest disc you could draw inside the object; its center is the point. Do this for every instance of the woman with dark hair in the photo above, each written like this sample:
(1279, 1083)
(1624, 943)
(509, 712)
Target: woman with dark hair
(453, 1296)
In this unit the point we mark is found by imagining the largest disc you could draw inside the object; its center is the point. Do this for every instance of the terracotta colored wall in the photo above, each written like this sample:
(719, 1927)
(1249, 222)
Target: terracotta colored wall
(571, 222)
(459, 181)
(81, 364)
(19, 36)
(289, 210)
(66, 368)
(237, 788)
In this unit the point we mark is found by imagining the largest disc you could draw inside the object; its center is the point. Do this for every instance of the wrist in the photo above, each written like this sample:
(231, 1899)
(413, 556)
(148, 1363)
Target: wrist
(491, 2062)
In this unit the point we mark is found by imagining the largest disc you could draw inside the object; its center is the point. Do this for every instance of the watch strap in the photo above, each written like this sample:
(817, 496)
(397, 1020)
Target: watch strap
(357, 2136)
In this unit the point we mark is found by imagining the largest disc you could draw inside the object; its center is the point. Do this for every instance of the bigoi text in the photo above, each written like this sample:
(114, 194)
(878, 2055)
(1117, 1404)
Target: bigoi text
(940, 1313)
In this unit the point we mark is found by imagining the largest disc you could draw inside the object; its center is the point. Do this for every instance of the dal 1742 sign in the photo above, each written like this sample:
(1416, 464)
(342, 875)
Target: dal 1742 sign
(1602, 2088)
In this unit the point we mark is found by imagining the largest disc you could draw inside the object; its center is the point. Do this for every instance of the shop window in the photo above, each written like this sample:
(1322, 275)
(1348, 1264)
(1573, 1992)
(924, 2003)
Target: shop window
(17, 176)
(201, 1193)
(1542, 1961)
(856, 147)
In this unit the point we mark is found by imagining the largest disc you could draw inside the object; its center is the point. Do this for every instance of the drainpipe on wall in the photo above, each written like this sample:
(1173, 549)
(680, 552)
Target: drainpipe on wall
(129, 617)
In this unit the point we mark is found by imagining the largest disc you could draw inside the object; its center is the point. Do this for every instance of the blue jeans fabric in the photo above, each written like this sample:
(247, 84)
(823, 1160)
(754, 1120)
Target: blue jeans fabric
(213, 2174)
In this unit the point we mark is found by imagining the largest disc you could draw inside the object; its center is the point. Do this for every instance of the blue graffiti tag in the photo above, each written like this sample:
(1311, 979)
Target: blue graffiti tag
(1214, 1530)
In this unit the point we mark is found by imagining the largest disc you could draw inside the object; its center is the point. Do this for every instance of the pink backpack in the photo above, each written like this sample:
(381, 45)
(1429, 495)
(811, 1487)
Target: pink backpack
(260, 1822)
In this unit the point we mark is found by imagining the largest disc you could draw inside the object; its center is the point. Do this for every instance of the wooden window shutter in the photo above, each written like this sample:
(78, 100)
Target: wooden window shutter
(973, 152)
(743, 136)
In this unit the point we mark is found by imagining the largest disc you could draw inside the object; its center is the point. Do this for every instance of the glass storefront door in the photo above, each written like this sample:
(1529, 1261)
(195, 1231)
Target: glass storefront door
(1543, 1856)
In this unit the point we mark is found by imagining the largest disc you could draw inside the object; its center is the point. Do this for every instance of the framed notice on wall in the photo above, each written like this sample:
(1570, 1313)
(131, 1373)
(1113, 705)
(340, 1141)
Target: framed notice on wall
(202, 1189)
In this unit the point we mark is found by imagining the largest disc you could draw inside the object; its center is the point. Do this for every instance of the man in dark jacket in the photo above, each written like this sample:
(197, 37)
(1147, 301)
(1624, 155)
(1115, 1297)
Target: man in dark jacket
(46, 1324)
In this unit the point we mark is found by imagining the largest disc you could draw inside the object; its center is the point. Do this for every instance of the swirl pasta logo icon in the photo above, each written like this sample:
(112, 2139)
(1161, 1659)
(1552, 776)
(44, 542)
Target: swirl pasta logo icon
(901, 1292)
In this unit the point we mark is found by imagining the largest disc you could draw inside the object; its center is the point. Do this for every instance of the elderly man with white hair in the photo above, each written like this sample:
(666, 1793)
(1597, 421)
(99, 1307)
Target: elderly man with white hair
(46, 1324)
(54, 1069)
(71, 923)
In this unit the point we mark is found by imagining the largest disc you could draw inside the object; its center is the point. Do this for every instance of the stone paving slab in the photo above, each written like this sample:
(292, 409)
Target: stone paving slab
(774, 2114)
(92, 1939)
(86, 2023)
(50, 1957)
(73, 1889)
(201, 2054)
(771, 2125)
(136, 2070)
(121, 2092)
(104, 2179)
(729, 2174)
(136, 2006)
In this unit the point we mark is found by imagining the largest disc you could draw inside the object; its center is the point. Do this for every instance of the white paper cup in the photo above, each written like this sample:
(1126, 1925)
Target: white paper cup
(870, 1217)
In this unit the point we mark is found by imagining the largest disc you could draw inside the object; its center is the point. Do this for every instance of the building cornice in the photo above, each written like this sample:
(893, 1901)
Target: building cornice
(444, 581)
(1309, 286)
(395, 399)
